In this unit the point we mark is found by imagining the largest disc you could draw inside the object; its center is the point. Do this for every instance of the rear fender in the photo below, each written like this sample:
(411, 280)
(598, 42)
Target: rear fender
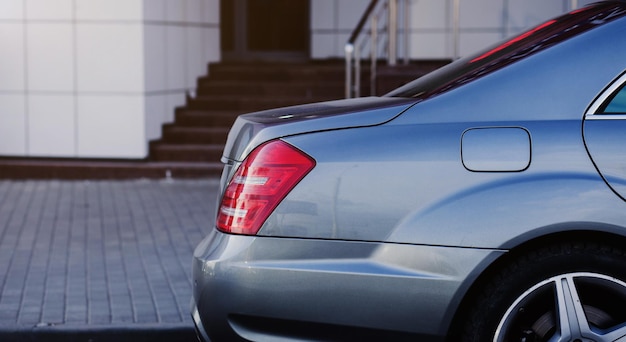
(508, 212)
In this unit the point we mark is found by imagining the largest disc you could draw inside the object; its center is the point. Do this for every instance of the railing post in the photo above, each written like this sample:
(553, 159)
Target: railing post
(373, 54)
(393, 32)
(456, 28)
(348, 49)
(406, 31)
(357, 72)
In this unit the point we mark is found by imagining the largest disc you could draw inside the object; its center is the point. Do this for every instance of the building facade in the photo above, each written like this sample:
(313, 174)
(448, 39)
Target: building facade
(98, 78)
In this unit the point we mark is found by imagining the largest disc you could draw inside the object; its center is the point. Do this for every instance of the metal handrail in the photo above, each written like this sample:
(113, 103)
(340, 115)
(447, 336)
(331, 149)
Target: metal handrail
(353, 47)
(359, 27)
(373, 13)
(349, 47)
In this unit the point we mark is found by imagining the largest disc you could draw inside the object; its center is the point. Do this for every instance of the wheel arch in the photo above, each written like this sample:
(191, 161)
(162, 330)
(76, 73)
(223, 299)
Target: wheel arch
(595, 233)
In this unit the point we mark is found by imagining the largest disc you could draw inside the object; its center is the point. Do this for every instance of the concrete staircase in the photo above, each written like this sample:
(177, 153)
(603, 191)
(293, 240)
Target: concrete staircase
(200, 128)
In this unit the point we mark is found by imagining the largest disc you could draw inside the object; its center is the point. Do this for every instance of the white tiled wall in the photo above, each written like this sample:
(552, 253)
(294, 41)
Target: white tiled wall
(98, 78)
(113, 10)
(175, 38)
(12, 36)
(180, 38)
(157, 112)
(332, 22)
(195, 63)
(51, 125)
(155, 50)
(12, 124)
(49, 56)
(12, 9)
(49, 9)
(111, 123)
(109, 58)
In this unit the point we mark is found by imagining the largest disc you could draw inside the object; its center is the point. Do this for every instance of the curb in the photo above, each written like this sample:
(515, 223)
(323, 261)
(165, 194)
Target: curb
(95, 333)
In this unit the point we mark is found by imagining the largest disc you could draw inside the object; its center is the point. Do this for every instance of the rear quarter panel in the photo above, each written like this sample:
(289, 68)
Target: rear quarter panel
(404, 181)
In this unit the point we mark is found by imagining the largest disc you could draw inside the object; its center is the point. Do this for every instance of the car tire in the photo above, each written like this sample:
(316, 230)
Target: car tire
(563, 292)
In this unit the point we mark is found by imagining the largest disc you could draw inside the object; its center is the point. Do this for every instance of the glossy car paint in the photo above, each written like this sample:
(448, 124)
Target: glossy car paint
(256, 128)
(545, 98)
(605, 139)
(412, 200)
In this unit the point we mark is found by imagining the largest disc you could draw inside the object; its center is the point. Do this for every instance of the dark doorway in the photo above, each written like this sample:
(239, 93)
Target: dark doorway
(264, 29)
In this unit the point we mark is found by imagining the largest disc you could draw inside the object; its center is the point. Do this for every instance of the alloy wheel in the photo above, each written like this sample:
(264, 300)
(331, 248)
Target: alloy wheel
(576, 307)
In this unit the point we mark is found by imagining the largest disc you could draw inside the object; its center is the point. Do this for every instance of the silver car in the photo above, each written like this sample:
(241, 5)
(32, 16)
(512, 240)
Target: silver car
(481, 202)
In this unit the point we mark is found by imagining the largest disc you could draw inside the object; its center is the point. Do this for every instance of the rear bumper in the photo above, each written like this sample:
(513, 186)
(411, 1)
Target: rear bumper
(244, 286)
(195, 316)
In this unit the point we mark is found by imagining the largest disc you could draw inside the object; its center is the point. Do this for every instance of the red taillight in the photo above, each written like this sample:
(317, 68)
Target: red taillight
(264, 178)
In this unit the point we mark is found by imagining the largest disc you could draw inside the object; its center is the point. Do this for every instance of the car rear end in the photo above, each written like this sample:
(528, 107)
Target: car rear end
(261, 274)
(361, 220)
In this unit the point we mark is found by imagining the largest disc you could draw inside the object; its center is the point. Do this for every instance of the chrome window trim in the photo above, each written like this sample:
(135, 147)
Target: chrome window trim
(605, 117)
(592, 114)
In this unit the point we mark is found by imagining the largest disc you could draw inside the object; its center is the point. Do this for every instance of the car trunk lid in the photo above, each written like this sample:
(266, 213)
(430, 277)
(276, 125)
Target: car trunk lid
(251, 130)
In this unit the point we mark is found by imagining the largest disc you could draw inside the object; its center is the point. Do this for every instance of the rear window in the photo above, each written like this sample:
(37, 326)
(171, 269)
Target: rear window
(616, 104)
(526, 44)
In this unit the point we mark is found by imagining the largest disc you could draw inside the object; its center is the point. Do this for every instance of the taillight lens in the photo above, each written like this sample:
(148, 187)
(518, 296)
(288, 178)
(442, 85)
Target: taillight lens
(264, 178)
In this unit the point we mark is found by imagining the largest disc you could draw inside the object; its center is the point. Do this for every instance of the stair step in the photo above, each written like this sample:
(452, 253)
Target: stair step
(175, 134)
(276, 74)
(247, 104)
(205, 118)
(329, 91)
(160, 151)
(201, 127)
(337, 66)
(337, 79)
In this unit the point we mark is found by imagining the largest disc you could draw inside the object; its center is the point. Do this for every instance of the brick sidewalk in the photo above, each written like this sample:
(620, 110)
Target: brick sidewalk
(100, 256)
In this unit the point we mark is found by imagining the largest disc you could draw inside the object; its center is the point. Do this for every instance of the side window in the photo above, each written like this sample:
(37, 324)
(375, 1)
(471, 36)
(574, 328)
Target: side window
(616, 103)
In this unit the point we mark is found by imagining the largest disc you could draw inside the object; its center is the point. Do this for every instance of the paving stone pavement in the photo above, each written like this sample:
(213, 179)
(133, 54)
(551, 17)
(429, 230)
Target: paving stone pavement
(82, 258)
